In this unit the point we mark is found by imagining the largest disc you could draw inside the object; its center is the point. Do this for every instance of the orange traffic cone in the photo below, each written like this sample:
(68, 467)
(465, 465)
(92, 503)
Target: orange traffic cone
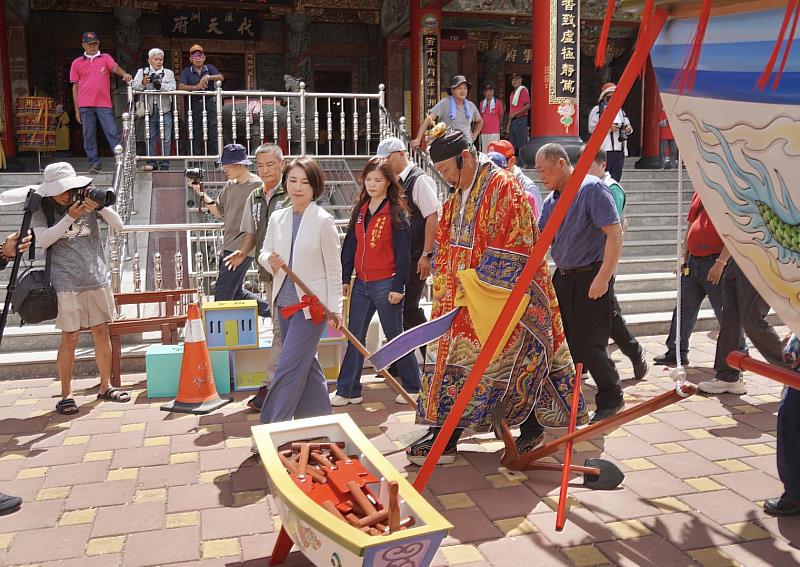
(197, 392)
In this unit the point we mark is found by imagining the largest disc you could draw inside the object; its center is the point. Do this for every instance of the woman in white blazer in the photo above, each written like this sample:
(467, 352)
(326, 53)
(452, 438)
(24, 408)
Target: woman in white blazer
(304, 237)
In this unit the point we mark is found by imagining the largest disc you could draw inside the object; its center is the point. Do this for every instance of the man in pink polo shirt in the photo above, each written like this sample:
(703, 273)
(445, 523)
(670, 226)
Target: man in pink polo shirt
(90, 76)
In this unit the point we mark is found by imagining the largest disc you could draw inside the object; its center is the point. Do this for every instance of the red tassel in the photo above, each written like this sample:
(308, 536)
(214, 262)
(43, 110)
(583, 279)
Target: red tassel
(789, 42)
(600, 57)
(647, 11)
(767, 72)
(685, 78)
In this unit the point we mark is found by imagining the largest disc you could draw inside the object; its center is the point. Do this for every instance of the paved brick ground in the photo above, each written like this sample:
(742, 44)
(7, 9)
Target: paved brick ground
(126, 484)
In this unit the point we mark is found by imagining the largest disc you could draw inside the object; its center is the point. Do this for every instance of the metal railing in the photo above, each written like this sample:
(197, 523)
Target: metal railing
(199, 123)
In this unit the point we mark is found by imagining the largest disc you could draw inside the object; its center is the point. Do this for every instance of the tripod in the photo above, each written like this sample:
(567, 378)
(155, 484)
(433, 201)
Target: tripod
(32, 202)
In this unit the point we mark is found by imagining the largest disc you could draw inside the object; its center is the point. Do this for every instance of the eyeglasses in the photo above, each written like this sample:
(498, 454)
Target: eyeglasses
(197, 55)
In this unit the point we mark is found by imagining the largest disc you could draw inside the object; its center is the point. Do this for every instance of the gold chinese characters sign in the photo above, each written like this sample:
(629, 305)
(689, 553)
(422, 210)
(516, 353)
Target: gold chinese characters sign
(430, 70)
(211, 24)
(564, 50)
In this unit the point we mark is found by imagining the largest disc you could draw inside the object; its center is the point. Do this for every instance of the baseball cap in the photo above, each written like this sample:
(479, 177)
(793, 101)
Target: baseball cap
(498, 159)
(502, 147)
(196, 47)
(89, 37)
(389, 146)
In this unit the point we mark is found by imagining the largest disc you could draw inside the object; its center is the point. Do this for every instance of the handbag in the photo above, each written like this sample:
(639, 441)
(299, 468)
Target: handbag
(34, 298)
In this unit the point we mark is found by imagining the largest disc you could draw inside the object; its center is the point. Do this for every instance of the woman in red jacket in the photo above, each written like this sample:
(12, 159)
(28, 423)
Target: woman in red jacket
(378, 248)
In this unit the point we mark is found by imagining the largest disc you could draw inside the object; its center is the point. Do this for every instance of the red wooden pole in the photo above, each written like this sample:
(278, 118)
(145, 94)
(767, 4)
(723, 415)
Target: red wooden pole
(630, 75)
(573, 422)
(744, 363)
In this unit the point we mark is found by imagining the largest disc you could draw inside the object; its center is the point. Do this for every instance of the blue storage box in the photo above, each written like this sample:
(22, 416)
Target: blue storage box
(231, 324)
(163, 366)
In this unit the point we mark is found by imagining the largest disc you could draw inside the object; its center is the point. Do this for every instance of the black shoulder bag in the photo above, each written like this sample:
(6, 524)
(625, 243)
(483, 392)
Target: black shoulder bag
(34, 298)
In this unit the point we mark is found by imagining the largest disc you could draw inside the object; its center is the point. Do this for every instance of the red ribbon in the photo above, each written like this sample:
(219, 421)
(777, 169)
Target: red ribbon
(314, 306)
(684, 80)
(600, 56)
(793, 8)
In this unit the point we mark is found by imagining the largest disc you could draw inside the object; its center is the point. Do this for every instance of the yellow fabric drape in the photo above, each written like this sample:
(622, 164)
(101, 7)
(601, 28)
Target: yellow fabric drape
(484, 303)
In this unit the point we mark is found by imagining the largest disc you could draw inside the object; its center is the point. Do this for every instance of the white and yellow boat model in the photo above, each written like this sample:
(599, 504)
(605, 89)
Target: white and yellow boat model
(322, 537)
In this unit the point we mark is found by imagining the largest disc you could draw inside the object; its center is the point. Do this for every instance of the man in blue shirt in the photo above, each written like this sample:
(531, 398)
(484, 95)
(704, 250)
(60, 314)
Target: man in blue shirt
(586, 250)
(201, 76)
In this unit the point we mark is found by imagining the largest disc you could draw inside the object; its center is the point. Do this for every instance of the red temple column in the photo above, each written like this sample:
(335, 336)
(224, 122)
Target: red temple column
(555, 76)
(651, 158)
(9, 136)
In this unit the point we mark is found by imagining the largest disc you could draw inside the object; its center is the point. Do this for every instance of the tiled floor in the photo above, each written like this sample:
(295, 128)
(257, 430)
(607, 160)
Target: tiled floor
(127, 484)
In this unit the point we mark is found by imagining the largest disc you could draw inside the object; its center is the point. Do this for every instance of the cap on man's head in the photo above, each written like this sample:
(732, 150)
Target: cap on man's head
(89, 37)
(447, 145)
(195, 48)
(456, 81)
(234, 154)
(488, 86)
(516, 76)
(502, 147)
(498, 159)
(389, 146)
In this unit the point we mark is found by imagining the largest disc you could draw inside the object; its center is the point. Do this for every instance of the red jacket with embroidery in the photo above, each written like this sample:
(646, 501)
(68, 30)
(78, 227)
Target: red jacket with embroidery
(377, 250)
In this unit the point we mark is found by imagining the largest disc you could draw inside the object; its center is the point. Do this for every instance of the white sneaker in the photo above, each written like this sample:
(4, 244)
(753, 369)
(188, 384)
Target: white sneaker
(339, 401)
(721, 387)
(401, 400)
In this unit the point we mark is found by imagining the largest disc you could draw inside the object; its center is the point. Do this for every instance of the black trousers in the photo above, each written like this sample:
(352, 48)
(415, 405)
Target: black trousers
(621, 335)
(615, 161)
(587, 325)
(743, 310)
(789, 443)
(413, 315)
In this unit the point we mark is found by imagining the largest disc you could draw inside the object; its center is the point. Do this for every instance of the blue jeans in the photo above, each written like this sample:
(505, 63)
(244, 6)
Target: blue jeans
(90, 116)
(155, 136)
(694, 289)
(365, 299)
(518, 132)
(229, 285)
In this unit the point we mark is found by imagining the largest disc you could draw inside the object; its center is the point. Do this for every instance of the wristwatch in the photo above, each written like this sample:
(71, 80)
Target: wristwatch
(428, 255)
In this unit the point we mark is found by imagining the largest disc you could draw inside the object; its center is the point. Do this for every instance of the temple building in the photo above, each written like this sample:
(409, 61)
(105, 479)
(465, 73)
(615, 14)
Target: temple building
(333, 46)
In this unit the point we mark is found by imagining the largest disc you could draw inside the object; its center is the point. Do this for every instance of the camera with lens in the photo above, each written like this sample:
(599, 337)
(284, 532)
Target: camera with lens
(105, 197)
(194, 174)
(155, 78)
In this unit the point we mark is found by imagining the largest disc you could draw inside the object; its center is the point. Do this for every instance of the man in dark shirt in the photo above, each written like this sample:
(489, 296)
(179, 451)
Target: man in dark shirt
(586, 250)
(201, 76)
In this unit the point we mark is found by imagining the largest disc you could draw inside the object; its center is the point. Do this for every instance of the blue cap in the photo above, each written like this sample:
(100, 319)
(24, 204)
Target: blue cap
(89, 37)
(498, 159)
(234, 154)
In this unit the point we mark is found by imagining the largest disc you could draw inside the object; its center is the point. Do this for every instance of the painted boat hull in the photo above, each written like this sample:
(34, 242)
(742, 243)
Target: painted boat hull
(741, 145)
(323, 539)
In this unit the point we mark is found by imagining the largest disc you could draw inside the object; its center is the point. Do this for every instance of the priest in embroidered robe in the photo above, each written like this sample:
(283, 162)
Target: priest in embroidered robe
(485, 236)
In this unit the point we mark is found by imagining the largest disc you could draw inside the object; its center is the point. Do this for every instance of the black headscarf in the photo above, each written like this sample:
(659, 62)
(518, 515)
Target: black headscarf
(448, 145)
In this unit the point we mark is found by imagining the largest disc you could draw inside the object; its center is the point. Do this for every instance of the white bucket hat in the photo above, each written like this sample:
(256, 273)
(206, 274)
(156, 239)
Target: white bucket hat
(60, 177)
(16, 196)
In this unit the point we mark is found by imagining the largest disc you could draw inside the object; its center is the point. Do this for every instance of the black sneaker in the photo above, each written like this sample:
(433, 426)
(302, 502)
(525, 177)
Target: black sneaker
(640, 368)
(257, 401)
(668, 359)
(9, 503)
(605, 413)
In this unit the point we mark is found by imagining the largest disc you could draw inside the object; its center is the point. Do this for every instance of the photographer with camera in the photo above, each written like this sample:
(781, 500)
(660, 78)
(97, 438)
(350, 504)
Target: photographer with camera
(156, 78)
(616, 143)
(67, 222)
(230, 206)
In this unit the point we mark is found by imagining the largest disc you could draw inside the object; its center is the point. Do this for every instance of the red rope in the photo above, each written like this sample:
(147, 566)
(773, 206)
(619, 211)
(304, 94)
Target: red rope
(314, 306)
(632, 70)
(789, 42)
(773, 58)
(602, 43)
(684, 80)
